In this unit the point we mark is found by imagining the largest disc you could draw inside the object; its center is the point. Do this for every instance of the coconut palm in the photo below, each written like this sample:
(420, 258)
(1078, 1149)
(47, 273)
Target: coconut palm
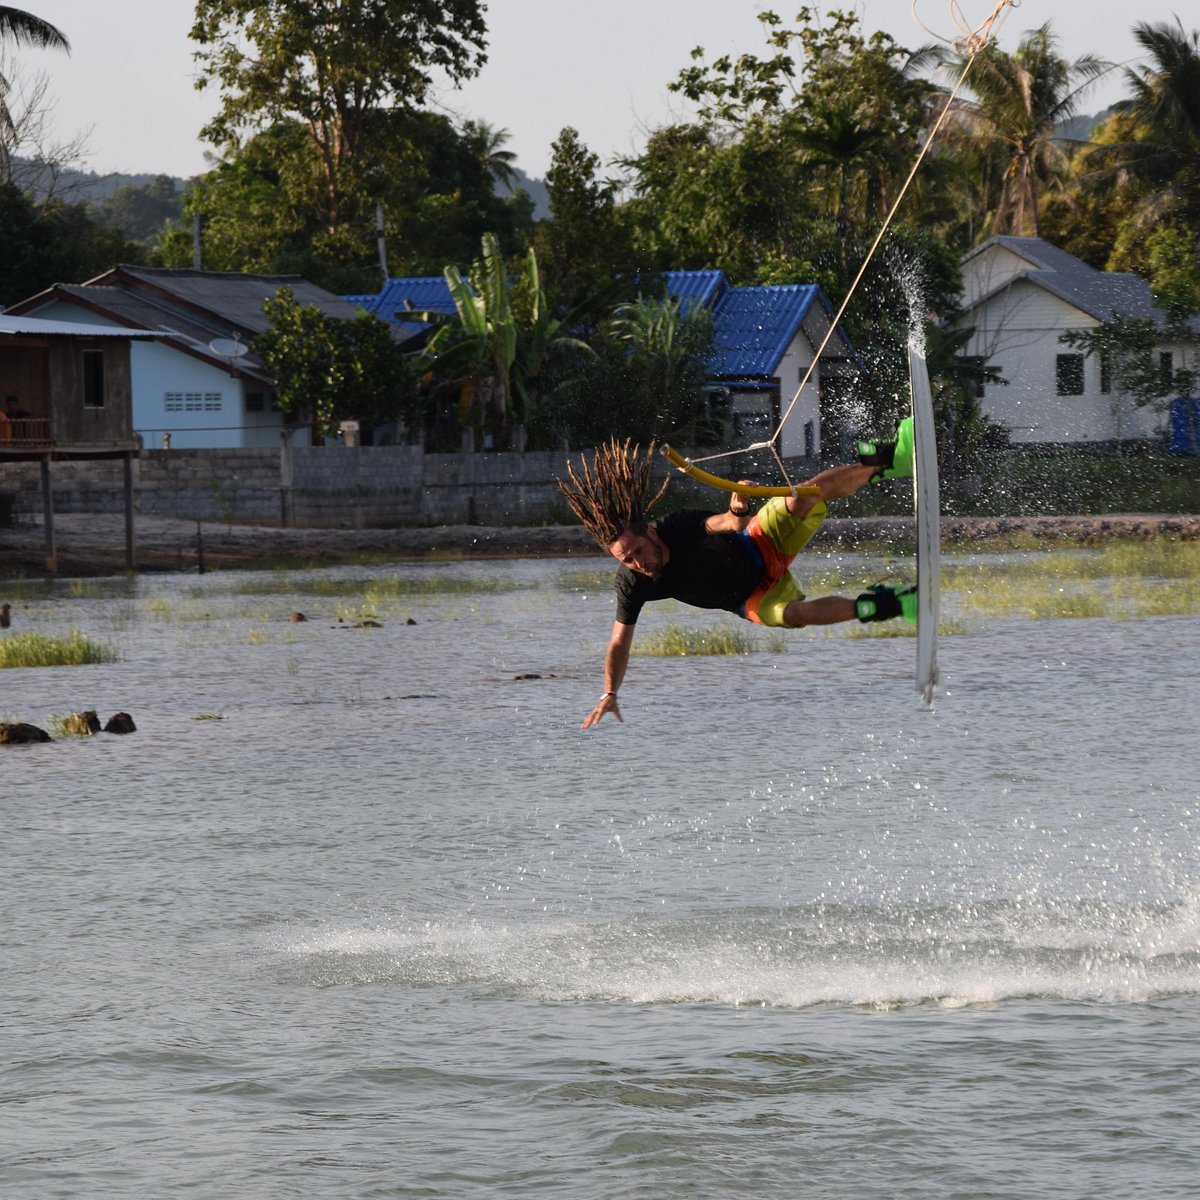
(1019, 99)
(24, 28)
(1162, 121)
(20, 28)
(487, 143)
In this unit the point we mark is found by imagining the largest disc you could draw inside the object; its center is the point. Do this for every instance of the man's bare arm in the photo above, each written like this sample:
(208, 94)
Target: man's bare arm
(736, 519)
(615, 661)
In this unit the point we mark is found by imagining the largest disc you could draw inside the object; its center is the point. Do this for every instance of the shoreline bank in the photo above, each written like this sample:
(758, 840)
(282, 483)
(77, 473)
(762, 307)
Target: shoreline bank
(94, 544)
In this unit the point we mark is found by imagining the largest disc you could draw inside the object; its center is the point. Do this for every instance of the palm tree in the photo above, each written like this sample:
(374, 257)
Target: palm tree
(24, 29)
(1019, 100)
(21, 28)
(486, 143)
(1162, 122)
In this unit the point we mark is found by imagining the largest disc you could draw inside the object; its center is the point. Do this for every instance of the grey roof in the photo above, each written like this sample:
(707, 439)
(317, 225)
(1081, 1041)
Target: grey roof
(1100, 294)
(236, 298)
(191, 308)
(39, 327)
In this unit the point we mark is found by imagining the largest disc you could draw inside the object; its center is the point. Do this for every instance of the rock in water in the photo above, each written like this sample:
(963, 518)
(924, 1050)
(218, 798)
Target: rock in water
(81, 724)
(20, 734)
(120, 722)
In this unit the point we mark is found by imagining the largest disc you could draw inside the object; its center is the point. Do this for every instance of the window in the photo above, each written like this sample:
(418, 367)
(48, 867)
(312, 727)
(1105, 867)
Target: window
(254, 402)
(93, 378)
(1166, 369)
(810, 440)
(1068, 371)
(974, 366)
(1105, 373)
(192, 401)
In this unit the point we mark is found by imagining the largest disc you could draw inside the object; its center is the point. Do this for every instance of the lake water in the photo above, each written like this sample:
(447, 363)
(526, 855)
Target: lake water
(358, 913)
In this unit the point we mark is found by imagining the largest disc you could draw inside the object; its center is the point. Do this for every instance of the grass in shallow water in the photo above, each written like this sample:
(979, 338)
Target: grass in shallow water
(46, 650)
(674, 641)
(375, 589)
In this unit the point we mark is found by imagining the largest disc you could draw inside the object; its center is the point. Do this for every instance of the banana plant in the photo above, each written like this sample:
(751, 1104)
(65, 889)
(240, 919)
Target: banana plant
(499, 341)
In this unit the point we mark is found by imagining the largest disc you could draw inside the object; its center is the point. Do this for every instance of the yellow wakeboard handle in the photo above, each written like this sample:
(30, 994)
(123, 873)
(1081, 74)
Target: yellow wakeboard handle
(728, 485)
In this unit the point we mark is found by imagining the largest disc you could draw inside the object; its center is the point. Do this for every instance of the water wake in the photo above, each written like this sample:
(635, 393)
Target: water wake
(953, 956)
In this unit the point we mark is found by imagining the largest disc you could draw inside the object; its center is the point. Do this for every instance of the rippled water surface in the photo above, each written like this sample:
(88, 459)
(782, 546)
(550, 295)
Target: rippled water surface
(358, 912)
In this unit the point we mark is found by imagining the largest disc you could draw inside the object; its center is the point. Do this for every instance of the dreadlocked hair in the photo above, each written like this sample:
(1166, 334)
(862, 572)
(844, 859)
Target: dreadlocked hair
(609, 494)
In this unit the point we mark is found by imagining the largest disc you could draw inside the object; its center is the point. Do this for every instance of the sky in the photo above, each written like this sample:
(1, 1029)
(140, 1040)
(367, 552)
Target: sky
(128, 85)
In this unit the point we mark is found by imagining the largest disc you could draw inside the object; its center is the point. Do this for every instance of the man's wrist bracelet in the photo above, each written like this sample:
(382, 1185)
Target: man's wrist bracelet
(603, 694)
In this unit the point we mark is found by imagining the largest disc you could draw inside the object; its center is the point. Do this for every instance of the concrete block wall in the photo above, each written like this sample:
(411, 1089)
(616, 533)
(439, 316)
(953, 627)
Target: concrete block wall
(334, 487)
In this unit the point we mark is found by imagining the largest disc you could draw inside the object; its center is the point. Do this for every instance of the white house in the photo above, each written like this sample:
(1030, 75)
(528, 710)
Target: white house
(1020, 295)
(200, 384)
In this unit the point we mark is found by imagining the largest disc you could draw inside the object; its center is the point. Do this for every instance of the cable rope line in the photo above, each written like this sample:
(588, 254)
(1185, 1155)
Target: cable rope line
(971, 44)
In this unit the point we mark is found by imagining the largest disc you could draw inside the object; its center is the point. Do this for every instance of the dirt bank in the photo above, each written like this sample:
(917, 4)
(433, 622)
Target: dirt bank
(95, 544)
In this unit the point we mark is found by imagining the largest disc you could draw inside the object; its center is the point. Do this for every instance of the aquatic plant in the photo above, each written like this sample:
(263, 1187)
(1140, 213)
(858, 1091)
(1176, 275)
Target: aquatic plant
(430, 584)
(47, 650)
(676, 641)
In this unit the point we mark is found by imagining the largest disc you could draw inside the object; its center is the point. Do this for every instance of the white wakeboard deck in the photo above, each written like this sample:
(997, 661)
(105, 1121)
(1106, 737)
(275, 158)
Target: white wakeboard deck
(927, 506)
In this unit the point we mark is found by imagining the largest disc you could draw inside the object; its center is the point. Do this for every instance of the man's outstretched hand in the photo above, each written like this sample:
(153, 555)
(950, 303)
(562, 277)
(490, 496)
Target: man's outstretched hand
(608, 704)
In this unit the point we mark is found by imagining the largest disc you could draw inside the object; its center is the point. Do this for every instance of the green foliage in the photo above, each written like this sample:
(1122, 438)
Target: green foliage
(647, 381)
(586, 242)
(1173, 258)
(49, 650)
(1156, 142)
(1020, 99)
(502, 346)
(142, 213)
(674, 641)
(42, 244)
(329, 67)
(432, 182)
(332, 370)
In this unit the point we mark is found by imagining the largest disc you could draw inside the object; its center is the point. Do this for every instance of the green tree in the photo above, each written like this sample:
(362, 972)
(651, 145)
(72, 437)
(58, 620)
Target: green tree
(54, 242)
(328, 370)
(648, 381)
(331, 67)
(1019, 101)
(487, 143)
(1154, 140)
(585, 244)
(143, 212)
(501, 346)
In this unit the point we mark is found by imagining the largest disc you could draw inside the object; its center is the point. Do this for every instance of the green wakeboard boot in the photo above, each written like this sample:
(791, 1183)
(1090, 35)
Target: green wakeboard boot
(895, 459)
(885, 601)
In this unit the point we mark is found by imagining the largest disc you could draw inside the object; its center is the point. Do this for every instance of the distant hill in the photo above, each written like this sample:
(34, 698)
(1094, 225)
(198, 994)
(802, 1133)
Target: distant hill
(1080, 129)
(537, 193)
(97, 190)
(74, 185)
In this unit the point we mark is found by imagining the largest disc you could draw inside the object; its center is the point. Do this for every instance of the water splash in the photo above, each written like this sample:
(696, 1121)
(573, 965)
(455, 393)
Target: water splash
(951, 955)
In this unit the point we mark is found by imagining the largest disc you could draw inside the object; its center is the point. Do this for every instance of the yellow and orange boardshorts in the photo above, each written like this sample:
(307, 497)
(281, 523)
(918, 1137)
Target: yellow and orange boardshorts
(776, 536)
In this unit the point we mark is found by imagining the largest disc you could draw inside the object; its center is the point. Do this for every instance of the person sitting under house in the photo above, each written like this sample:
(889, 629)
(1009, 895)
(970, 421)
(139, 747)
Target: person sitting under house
(730, 560)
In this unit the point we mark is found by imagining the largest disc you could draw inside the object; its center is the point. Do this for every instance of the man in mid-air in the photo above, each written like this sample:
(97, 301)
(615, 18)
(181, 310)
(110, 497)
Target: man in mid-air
(730, 560)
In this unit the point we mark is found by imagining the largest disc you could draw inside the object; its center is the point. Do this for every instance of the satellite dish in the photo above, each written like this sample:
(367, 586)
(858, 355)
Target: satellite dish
(228, 347)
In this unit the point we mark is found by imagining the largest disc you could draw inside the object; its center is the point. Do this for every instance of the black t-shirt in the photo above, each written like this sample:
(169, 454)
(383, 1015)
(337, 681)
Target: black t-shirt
(707, 570)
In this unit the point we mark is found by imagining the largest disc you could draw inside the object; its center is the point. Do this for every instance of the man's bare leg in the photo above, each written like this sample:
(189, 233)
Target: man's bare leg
(836, 484)
(825, 610)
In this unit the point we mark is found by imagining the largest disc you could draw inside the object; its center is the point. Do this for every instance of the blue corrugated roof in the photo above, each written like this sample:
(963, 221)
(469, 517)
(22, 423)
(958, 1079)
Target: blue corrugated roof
(696, 287)
(413, 293)
(754, 326)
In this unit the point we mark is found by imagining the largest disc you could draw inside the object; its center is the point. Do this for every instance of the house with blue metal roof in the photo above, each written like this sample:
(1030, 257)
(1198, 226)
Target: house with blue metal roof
(765, 340)
(1020, 295)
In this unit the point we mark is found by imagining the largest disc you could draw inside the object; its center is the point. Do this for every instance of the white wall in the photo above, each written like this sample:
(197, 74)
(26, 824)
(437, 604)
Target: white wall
(792, 367)
(207, 404)
(1017, 331)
